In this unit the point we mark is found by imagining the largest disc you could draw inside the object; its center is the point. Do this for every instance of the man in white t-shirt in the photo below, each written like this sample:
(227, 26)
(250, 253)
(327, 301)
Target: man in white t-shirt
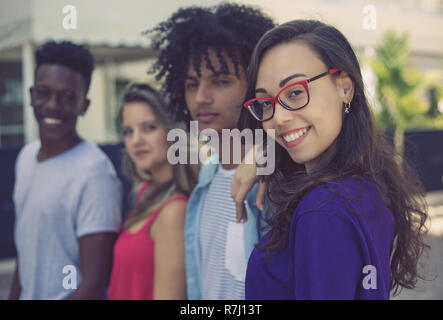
(67, 196)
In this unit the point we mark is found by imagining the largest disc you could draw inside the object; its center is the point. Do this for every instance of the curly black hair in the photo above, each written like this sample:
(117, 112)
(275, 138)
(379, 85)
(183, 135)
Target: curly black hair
(189, 33)
(67, 54)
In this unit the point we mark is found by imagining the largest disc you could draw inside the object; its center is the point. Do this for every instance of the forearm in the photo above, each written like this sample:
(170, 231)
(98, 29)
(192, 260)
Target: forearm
(170, 276)
(169, 253)
(90, 290)
(171, 290)
(14, 293)
(95, 264)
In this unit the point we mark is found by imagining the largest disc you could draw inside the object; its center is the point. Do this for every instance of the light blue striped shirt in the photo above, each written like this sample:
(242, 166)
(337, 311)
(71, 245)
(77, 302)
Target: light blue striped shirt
(221, 240)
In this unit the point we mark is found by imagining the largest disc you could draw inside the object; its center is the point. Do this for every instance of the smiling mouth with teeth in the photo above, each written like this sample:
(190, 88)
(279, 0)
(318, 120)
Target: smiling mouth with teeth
(295, 135)
(52, 121)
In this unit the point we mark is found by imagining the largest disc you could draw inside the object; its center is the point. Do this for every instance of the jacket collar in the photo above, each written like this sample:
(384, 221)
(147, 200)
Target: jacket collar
(208, 170)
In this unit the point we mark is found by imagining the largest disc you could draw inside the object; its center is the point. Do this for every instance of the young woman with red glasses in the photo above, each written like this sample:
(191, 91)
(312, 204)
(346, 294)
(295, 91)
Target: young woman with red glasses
(347, 221)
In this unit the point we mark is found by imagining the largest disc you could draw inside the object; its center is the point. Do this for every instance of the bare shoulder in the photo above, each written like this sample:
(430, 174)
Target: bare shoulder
(172, 215)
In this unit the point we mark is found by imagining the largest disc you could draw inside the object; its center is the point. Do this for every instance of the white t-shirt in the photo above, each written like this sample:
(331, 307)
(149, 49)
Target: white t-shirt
(223, 267)
(58, 201)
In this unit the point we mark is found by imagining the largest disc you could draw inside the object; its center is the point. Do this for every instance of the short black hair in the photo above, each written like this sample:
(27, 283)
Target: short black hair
(189, 33)
(67, 54)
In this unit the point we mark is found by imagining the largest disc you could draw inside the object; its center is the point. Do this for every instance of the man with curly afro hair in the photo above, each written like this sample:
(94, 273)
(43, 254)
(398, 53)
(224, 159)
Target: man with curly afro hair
(203, 61)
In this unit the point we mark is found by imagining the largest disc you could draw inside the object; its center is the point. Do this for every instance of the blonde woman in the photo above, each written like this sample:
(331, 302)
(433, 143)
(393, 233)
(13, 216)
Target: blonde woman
(149, 255)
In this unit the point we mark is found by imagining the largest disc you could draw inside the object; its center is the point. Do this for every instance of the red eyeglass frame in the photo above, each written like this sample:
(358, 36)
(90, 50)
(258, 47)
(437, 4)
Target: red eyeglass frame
(304, 83)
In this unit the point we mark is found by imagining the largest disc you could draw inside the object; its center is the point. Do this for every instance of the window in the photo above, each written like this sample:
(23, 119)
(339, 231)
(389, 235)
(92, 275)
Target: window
(11, 105)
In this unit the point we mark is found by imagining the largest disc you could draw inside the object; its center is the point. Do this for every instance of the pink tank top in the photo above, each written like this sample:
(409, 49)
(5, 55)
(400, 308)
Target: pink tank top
(132, 276)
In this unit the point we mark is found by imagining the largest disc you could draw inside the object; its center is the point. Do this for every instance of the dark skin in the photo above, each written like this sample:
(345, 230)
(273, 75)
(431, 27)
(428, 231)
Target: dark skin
(95, 264)
(58, 98)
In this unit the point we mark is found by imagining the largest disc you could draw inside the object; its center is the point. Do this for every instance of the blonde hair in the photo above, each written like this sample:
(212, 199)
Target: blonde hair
(185, 176)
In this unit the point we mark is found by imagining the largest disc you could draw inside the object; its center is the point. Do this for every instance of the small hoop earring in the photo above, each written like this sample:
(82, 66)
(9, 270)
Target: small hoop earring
(348, 108)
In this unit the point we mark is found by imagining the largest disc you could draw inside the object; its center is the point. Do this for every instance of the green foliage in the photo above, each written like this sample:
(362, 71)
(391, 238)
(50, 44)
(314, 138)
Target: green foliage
(402, 92)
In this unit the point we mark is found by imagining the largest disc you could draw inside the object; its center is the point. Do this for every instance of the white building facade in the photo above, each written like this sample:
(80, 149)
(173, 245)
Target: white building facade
(112, 29)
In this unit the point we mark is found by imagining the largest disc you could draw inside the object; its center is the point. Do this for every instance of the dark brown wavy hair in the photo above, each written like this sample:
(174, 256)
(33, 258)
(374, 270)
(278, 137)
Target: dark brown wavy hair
(360, 150)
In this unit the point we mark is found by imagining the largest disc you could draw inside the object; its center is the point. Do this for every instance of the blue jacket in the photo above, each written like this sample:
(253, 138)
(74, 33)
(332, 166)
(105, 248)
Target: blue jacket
(192, 244)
